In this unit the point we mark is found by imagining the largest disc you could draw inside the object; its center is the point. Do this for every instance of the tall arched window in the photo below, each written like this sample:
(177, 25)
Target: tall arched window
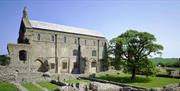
(102, 43)
(52, 37)
(39, 36)
(23, 55)
(94, 42)
(64, 39)
(75, 41)
(64, 65)
(94, 53)
(85, 42)
(75, 52)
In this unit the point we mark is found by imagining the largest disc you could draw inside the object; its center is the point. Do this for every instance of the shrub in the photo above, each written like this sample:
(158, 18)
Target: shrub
(4, 60)
(169, 71)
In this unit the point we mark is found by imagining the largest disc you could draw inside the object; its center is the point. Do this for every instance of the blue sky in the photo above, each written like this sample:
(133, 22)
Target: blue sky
(110, 17)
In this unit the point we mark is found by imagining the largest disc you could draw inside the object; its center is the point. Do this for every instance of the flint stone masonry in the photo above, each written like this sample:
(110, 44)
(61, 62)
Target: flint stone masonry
(7, 74)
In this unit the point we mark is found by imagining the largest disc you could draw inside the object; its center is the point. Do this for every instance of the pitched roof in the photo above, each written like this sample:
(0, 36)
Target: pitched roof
(63, 28)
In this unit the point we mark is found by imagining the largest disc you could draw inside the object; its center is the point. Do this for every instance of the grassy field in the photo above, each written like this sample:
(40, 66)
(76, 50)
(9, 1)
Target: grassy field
(86, 82)
(5, 86)
(163, 60)
(174, 68)
(48, 85)
(31, 87)
(141, 81)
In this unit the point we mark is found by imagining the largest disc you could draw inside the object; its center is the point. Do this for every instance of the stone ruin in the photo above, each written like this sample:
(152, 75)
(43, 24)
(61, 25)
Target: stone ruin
(97, 86)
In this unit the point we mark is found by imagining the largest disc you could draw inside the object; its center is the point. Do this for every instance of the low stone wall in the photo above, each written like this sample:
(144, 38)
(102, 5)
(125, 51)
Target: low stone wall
(125, 87)
(96, 86)
(66, 76)
(170, 87)
(29, 77)
(7, 74)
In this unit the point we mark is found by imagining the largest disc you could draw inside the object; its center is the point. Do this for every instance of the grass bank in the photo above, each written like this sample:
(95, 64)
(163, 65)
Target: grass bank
(140, 80)
(48, 85)
(31, 87)
(5, 86)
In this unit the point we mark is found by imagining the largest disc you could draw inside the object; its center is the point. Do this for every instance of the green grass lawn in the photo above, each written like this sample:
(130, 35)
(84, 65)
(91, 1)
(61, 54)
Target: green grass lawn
(31, 87)
(5, 86)
(48, 85)
(141, 81)
(86, 82)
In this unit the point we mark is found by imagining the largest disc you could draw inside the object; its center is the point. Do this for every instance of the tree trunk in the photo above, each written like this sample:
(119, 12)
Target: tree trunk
(133, 73)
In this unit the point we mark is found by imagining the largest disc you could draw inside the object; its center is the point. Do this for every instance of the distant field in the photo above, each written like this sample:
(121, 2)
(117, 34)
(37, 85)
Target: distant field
(163, 60)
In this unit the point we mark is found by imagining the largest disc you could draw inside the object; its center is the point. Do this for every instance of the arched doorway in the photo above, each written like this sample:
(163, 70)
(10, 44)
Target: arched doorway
(93, 66)
(42, 65)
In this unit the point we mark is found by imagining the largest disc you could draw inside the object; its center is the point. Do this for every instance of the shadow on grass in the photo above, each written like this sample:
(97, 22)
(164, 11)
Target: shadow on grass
(124, 79)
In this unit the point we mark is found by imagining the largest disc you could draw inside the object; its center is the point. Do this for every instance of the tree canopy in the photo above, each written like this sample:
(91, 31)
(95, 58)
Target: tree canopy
(132, 48)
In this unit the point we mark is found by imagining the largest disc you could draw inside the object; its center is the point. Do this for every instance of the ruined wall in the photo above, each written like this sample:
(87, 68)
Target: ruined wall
(15, 62)
(7, 74)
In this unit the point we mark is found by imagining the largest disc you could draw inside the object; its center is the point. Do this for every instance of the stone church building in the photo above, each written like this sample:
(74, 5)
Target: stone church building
(54, 48)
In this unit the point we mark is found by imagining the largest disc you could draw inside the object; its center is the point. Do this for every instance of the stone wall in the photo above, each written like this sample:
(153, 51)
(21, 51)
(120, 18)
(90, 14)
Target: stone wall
(30, 77)
(15, 63)
(64, 50)
(7, 74)
(45, 48)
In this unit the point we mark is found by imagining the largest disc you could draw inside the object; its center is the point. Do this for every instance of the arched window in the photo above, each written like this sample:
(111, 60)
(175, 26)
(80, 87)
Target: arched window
(75, 41)
(75, 52)
(102, 43)
(85, 42)
(39, 36)
(94, 53)
(26, 40)
(64, 65)
(94, 43)
(23, 55)
(52, 37)
(64, 39)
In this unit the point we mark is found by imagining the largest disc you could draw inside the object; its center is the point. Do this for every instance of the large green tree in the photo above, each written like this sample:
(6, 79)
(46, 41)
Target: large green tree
(132, 48)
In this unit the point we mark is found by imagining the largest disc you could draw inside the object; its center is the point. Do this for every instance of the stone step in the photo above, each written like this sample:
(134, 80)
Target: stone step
(37, 85)
(19, 86)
